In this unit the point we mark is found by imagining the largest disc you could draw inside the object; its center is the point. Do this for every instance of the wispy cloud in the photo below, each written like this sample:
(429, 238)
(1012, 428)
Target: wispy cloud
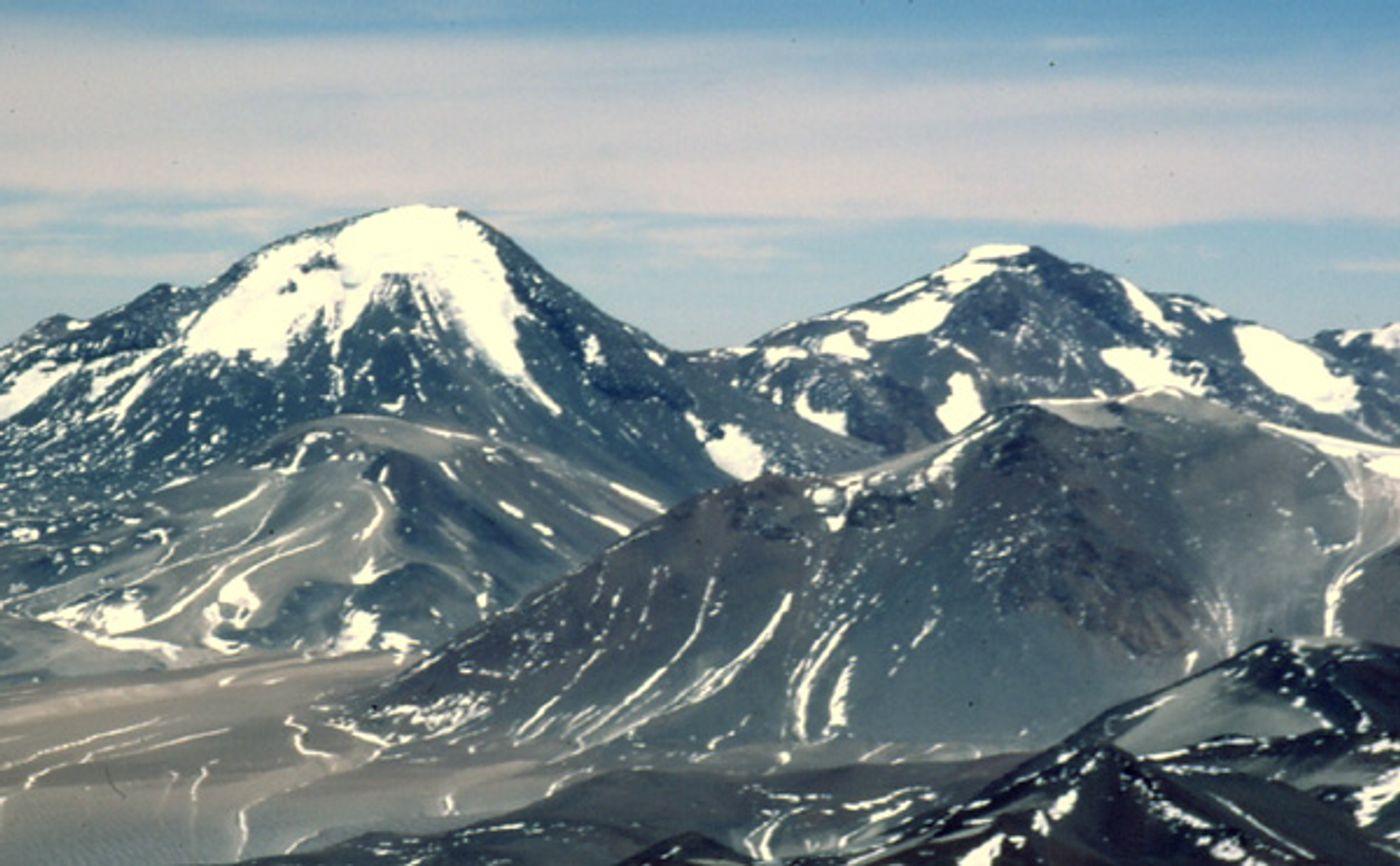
(719, 125)
(735, 243)
(149, 140)
(79, 260)
(78, 213)
(1368, 266)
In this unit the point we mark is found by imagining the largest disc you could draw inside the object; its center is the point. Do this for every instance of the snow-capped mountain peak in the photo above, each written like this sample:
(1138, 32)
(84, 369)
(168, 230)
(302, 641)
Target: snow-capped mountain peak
(328, 278)
(1009, 322)
(921, 306)
(421, 321)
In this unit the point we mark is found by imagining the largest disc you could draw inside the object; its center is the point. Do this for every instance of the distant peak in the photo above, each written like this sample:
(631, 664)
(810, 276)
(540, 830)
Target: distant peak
(323, 281)
(1386, 337)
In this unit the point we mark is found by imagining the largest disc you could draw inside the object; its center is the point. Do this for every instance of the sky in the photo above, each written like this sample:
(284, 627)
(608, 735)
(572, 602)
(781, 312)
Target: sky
(711, 170)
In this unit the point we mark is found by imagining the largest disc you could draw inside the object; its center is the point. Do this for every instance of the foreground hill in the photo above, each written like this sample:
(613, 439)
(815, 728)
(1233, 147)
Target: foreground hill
(1285, 753)
(353, 533)
(1051, 557)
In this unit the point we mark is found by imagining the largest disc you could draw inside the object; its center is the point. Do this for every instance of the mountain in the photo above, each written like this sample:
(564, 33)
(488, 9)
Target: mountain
(190, 433)
(675, 814)
(973, 599)
(134, 480)
(388, 531)
(1092, 548)
(1005, 323)
(417, 312)
(238, 759)
(1372, 355)
(1285, 753)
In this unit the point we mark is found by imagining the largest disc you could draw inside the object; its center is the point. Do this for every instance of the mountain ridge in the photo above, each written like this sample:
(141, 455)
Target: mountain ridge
(386, 528)
(1007, 323)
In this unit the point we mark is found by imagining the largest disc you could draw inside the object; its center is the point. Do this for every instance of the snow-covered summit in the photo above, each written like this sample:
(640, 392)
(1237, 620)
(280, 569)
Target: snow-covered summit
(328, 278)
(995, 252)
(331, 274)
(418, 312)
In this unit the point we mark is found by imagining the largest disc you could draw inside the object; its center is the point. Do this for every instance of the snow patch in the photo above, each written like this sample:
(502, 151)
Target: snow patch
(995, 252)
(1387, 338)
(367, 574)
(615, 526)
(1380, 459)
(1147, 309)
(733, 451)
(843, 345)
(985, 854)
(1294, 370)
(238, 594)
(930, 299)
(358, 632)
(918, 316)
(593, 350)
(123, 643)
(1373, 798)
(107, 617)
(1227, 851)
(963, 406)
(835, 421)
(131, 371)
(721, 678)
(775, 355)
(636, 496)
(1063, 805)
(838, 709)
(942, 465)
(1148, 368)
(398, 642)
(736, 453)
(29, 386)
(804, 677)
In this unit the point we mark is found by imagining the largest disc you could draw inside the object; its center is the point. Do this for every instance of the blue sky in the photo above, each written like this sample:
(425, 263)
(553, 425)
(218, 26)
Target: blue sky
(711, 170)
